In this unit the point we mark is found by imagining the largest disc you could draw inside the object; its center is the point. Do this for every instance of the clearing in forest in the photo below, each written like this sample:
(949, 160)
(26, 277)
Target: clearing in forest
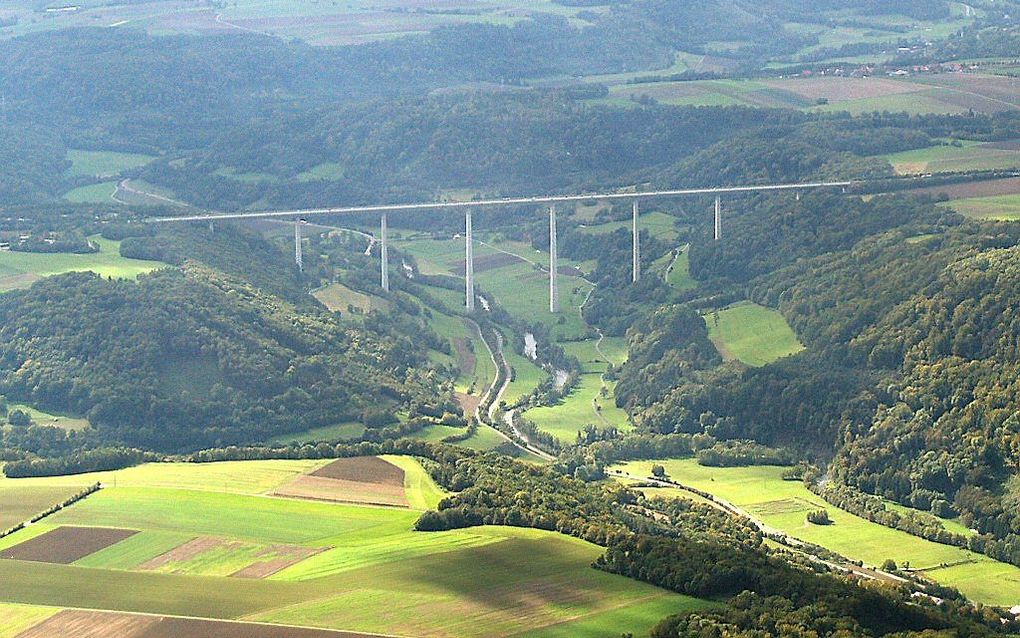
(752, 334)
(20, 269)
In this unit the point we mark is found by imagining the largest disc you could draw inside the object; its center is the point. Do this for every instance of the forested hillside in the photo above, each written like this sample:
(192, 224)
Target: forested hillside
(194, 357)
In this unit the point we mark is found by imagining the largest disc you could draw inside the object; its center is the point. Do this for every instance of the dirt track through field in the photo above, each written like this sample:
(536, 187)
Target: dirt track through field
(74, 623)
(65, 545)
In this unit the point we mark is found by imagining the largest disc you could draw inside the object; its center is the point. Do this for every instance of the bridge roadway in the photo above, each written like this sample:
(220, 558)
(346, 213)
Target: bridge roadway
(299, 216)
(507, 201)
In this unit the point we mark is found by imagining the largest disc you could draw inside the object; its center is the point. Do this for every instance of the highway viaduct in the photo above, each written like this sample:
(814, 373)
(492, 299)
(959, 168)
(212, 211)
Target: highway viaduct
(467, 206)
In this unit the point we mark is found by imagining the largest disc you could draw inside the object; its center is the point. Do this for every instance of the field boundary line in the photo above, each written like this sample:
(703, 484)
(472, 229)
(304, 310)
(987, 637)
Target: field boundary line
(53, 509)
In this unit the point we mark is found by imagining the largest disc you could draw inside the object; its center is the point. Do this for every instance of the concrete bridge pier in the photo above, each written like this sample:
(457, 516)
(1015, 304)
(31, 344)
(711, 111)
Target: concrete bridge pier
(636, 265)
(469, 264)
(383, 245)
(554, 293)
(298, 257)
(718, 218)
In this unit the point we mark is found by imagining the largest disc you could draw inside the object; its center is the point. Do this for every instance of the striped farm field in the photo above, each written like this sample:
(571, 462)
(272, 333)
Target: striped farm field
(190, 554)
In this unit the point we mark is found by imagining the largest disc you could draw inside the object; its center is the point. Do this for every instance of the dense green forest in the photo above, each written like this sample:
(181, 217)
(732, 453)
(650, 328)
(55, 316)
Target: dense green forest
(197, 356)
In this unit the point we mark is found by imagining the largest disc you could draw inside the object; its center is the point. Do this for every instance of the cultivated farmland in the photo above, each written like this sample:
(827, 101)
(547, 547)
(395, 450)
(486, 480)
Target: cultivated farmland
(344, 567)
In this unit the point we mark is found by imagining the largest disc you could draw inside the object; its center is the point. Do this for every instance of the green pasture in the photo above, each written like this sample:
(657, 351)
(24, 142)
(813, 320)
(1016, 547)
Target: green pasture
(679, 274)
(338, 297)
(753, 334)
(61, 421)
(476, 375)
(932, 100)
(784, 505)
(520, 287)
(422, 492)
(589, 401)
(15, 619)
(657, 224)
(330, 171)
(377, 575)
(527, 375)
(20, 503)
(969, 156)
(101, 193)
(103, 164)
(999, 207)
(234, 477)
(18, 269)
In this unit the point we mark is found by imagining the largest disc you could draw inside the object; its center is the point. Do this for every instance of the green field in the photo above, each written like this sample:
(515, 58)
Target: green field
(61, 421)
(19, 270)
(338, 297)
(330, 171)
(999, 207)
(588, 402)
(15, 619)
(968, 156)
(784, 505)
(101, 193)
(752, 334)
(527, 375)
(522, 288)
(18, 505)
(103, 164)
(375, 575)
(657, 224)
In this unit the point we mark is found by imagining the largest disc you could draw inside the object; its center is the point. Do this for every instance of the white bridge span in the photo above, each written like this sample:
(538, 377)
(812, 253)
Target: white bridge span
(634, 196)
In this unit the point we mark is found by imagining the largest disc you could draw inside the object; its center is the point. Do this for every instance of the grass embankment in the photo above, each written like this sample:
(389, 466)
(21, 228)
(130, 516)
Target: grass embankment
(19, 270)
(750, 333)
(784, 505)
(374, 574)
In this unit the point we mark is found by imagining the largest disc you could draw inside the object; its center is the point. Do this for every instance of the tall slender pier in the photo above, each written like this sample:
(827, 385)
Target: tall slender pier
(385, 257)
(718, 218)
(636, 265)
(469, 264)
(554, 293)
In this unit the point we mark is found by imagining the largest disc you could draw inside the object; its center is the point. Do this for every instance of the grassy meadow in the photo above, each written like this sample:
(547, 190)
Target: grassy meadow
(591, 400)
(103, 164)
(101, 193)
(959, 157)
(19, 270)
(999, 207)
(761, 492)
(363, 568)
(752, 334)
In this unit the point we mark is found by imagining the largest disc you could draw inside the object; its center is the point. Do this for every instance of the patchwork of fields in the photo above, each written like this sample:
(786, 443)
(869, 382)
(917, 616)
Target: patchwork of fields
(163, 545)
(943, 93)
(19, 270)
(783, 505)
